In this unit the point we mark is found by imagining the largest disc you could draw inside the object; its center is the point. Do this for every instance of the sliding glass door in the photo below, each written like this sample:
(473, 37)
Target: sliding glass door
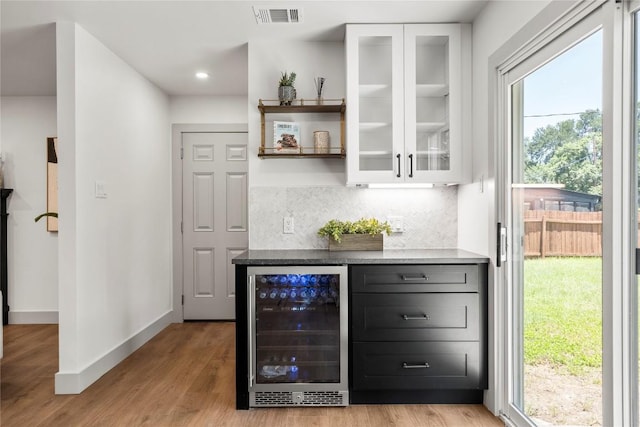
(569, 156)
(568, 196)
(556, 236)
(634, 293)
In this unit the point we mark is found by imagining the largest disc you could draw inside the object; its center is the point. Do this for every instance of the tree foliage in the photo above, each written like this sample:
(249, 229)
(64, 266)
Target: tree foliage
(568, 152)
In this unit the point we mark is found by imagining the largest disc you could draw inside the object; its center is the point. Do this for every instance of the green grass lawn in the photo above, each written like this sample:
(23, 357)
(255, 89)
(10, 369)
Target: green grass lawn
(563, 312)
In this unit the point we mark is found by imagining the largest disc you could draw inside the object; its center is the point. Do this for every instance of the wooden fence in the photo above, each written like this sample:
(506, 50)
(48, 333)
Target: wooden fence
(559, 233)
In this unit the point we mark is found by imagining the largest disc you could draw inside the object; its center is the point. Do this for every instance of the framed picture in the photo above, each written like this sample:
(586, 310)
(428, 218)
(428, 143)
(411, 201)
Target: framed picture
(52, 182)
(286, 137)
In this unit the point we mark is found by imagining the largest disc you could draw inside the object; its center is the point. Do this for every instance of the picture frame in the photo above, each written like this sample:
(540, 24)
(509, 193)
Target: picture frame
(52, 182)
(286, 137)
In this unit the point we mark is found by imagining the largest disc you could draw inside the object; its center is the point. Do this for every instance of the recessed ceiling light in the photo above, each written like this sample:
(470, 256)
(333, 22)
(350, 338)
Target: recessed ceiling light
(202, 75)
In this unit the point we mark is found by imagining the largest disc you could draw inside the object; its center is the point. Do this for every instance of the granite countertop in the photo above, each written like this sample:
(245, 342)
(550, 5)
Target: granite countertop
(388, 256)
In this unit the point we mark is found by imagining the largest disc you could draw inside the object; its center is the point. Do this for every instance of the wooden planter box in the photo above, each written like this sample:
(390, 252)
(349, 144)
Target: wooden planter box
(357, 242)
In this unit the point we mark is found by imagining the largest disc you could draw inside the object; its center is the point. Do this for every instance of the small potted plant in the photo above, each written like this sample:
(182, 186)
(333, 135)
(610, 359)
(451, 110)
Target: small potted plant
(366, 234)
(286, 91)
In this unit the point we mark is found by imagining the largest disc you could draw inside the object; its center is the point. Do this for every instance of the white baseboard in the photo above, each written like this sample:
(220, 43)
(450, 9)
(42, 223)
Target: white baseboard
(76, 382)
(33, 317)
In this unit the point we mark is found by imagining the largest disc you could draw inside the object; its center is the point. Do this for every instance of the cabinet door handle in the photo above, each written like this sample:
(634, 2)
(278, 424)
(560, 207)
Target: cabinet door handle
(406, 365)
(408, 278)
(421, 317)
(398, 157)
(410, 165)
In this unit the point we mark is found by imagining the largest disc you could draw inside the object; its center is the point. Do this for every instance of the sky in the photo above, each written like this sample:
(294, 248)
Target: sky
(570, 83)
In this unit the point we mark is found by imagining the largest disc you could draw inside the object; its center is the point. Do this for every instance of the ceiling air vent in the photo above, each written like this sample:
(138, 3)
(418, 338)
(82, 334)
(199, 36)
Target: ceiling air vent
(276, 15)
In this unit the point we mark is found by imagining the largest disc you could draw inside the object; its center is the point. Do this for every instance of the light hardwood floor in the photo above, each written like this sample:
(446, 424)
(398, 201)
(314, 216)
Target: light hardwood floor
(182, 377)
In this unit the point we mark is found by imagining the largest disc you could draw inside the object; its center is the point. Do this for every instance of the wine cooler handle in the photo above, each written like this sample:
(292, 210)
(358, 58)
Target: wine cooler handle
(252, 307)
(406, 365)
(421, 317)
(398, 157)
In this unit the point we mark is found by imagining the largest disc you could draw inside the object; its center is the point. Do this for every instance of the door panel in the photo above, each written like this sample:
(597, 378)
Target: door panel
(555, 173)
(215, 219)
(237, 202)
(203, 280)
(203, 215)
(636, 213)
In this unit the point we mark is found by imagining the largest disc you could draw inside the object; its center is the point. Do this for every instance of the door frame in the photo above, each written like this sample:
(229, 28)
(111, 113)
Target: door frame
(536, 33)
(177, 130)
(631, 95)
(618, 337)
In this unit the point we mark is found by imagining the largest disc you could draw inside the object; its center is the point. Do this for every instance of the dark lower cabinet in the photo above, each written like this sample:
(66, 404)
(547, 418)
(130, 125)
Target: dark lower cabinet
(418, 333)
(415, 317)
(416, 365)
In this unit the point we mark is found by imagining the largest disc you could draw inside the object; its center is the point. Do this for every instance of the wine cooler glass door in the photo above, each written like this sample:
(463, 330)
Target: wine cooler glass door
(298, 323)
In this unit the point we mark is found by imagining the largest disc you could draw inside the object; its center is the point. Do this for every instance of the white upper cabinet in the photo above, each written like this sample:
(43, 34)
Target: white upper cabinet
(405, 94)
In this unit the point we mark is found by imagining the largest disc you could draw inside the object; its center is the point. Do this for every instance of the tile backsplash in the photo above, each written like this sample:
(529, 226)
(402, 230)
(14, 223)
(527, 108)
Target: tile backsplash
(430, 215)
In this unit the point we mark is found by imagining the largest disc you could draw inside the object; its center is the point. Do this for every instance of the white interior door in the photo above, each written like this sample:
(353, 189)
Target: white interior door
(215, 223)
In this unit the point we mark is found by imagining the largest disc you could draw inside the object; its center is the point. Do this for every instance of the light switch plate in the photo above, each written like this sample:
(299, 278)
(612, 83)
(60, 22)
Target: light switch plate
(101, 190)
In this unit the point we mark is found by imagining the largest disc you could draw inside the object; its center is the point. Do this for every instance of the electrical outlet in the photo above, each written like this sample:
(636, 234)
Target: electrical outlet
(396, 223)
(287, 225)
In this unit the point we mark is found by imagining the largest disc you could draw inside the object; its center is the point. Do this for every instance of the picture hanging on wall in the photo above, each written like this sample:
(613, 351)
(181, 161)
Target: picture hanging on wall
(52, 182)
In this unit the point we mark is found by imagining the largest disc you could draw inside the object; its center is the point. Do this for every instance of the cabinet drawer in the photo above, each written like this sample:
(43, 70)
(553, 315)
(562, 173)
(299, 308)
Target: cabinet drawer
(414, 278)
(404, 366)
(415, 317)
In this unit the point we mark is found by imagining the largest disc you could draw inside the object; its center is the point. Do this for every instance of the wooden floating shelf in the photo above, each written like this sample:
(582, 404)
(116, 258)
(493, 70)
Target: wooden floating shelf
(302, 106)
(310, 152)
(301, 156)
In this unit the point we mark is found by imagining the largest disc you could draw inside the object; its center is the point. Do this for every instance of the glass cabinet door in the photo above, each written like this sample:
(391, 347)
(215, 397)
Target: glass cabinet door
(432, 102)
(404, 92)
(375, 149)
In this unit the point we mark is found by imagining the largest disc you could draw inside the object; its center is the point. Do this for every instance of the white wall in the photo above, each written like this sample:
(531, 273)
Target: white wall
(115, 252)
(497, 22)
(32, 252)
(208, 109)
(308, 60)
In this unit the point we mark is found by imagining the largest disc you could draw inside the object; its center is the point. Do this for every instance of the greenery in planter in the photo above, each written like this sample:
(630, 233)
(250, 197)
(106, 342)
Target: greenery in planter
(287, 79)
(336, 228)
(286, 91)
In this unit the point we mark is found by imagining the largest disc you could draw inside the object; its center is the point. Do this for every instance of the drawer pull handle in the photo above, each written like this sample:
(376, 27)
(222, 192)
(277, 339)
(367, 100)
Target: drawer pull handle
(424, 365)
(421, 317)
(419, 277)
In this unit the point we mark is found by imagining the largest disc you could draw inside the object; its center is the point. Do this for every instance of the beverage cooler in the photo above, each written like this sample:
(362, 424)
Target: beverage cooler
(298, 336)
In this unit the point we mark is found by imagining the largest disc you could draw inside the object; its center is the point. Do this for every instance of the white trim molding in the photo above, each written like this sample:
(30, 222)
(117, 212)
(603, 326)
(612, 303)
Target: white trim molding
(76, 382)
(33, 317)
